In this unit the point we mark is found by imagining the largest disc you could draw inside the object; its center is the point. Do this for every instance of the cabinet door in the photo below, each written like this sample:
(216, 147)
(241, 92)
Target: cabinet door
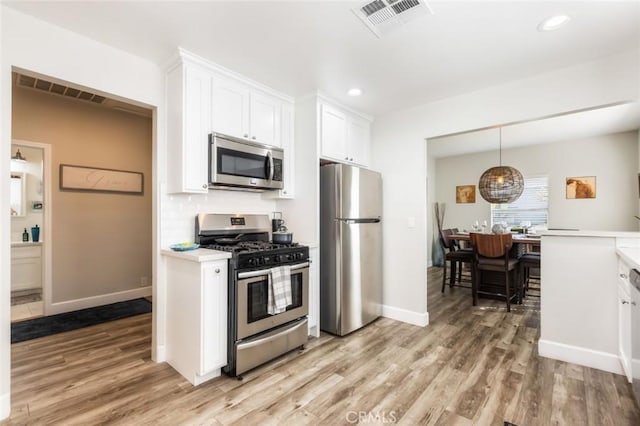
(624, 330)
(333, 133)
(264, 119)
(196, 118)
(214, 316)
(358, 140)
(26, 273)
(230, 108)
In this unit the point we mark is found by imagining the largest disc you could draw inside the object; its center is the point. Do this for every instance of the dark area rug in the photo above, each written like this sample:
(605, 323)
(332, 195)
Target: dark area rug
(45, 326)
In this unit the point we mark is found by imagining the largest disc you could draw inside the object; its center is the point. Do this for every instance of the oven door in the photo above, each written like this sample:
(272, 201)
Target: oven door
(252, 315)
(241, 163)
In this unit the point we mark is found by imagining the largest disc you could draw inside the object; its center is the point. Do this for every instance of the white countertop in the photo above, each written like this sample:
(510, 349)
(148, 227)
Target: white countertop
(630, 255)
(308, 244)
(198, 255)
(25, 243)
(587, 233)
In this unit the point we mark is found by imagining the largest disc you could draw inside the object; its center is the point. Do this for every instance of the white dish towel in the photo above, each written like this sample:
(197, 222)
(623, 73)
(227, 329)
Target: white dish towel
(279, 296)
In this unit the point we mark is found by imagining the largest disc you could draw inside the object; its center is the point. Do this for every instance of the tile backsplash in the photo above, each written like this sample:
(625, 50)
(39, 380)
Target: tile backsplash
(179, 211)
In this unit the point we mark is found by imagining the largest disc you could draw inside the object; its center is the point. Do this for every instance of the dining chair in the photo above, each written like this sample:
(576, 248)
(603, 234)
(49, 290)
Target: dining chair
(491, 257)
(456, 258)
(528, 263)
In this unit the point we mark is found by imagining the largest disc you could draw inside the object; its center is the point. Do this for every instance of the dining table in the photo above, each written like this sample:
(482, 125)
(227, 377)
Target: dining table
(532, 240)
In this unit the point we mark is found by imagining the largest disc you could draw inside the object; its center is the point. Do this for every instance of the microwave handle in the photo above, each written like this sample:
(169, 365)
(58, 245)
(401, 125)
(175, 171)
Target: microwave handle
(269, 165)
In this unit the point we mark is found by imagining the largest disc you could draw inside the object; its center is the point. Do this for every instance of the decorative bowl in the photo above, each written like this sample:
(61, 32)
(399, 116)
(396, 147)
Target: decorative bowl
(184, 246)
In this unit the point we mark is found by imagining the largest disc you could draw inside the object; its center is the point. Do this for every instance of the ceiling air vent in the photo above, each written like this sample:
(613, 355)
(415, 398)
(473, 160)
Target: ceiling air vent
(47, 86)
(384, 16)
(58, 89)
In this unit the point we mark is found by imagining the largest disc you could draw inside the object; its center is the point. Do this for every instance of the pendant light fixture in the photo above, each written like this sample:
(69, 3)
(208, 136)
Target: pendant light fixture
(19, 157)
(501, 184)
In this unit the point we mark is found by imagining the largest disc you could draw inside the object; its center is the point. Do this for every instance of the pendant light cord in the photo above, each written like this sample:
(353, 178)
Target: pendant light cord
(500, 146)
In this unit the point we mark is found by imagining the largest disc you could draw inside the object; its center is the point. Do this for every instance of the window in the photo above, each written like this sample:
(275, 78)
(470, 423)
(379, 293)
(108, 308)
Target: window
(532, 206)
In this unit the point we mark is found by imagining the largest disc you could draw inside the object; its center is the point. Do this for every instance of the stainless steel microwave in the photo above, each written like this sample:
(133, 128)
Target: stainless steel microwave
(236, 163)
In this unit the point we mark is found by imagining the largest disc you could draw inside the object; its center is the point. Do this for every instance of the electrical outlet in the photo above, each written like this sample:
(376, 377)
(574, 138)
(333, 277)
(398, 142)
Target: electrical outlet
(144, 281)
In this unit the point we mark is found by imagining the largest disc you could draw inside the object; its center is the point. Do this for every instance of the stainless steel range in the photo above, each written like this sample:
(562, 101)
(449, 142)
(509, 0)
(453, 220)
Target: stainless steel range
(256, 334)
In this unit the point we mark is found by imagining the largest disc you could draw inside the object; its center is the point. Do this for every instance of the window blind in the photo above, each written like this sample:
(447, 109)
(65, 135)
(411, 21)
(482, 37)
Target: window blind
(532, 206)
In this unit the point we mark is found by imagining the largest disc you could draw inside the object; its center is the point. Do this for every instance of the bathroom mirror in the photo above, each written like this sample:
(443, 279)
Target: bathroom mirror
(18, 194)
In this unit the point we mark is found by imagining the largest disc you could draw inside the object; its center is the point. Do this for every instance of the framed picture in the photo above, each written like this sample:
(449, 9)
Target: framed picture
(94, 179)
(465, 194)
(581, 187)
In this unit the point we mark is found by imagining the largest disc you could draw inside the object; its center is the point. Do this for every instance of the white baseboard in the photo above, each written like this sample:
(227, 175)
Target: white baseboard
(5, 405)
(90, 302)
(587, 357)
(429, 264)
(398, 314)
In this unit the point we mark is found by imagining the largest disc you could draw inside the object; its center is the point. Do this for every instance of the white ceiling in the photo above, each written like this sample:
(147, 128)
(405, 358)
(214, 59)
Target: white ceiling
(300, 46)
(562, 127)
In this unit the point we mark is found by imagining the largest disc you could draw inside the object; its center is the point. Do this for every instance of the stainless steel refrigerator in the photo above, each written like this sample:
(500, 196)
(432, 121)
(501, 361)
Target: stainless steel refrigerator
(350, 248)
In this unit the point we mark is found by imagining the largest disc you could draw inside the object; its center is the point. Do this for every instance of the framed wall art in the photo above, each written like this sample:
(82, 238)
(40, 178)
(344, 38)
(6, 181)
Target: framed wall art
(465, 194)
(581, 187)
(94, 179)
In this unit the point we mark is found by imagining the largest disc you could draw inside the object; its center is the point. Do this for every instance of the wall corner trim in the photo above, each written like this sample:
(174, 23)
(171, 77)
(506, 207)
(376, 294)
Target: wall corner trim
(5, 406)
(403, 315)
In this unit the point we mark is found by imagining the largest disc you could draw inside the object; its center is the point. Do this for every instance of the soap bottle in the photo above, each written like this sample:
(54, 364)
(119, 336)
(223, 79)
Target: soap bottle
(25, 235)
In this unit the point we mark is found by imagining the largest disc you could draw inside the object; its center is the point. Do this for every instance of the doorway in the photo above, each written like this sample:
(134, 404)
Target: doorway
(30, 217)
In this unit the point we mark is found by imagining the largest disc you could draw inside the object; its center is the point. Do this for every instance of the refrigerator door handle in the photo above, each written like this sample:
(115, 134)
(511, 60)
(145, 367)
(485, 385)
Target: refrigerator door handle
(355, 221)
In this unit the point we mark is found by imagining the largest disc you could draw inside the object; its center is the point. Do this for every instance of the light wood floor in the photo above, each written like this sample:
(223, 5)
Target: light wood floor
(469, 366)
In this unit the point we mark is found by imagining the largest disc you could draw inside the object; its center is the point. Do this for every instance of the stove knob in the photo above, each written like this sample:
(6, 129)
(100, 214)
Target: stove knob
(252, 262)
(299, 255)
(277, 258)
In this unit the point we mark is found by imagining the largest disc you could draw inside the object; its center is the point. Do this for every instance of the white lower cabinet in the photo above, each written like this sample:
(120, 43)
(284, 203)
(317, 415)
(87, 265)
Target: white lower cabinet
(624, 318)
(26, 267)
(314, 293)
(196, 318)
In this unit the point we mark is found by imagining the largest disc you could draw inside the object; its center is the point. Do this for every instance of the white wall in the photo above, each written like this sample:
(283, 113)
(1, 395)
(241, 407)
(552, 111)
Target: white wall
(34, 45)
(5, 236)
(38, 47)
(611, 158)
(399, 152)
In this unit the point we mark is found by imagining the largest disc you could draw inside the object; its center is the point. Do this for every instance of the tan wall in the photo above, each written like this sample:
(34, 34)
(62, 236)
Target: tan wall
(101, 241)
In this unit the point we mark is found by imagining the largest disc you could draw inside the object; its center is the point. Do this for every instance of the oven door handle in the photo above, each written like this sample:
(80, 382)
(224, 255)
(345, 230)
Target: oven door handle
(274, 335)
(251, 274)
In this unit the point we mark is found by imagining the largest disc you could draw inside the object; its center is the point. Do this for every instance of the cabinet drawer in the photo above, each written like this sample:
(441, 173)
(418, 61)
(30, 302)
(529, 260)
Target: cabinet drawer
(25, 252)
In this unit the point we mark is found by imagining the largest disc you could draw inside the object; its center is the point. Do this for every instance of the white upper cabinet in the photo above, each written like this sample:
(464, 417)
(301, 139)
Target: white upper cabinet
(286, 137)
(264, 119)
(189, 123)
(333, 132)
(344, 135)
(230, 107)
(358, 140)
(241, 111)
(203, 98)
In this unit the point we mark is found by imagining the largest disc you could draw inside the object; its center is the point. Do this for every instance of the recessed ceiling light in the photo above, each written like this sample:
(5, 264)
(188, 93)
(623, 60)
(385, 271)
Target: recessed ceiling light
(354, 92)
(553, 23)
